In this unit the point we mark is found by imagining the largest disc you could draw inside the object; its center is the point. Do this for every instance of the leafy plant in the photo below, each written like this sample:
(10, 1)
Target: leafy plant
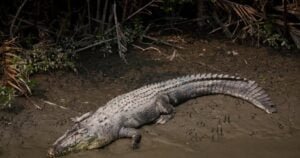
(18, 64)
(44, 57)
(256, 22)
(172, 6)
(134, 31)
(7, 95)
(12, 80)
(271, 37)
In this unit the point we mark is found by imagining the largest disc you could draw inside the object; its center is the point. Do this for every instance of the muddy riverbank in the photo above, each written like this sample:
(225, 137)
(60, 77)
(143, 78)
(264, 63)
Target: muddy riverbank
(249, 132)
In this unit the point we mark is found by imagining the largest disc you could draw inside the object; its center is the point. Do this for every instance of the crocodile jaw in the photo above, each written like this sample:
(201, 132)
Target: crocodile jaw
(92, 143)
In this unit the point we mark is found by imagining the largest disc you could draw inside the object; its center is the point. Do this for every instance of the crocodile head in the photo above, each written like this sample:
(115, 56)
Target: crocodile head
(79, 137)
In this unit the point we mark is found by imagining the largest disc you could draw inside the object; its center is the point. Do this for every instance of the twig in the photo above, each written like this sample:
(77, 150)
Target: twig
(89, 14)
(98, 21)
(37, 26)
(36, 106)
(209, 66)
(147, 49)
(201, 9)
(236, 27)
(171, 28)
(98, 9)
(139, 10)
(53, 104)
(110, 19)
(286, 28)
(14, 19)
(121, 48)
(92, 45)
(224, 27)
(125, 5)
(172, 57)
(104, 16)
(163, 42)
(144, 32)
(180, 21)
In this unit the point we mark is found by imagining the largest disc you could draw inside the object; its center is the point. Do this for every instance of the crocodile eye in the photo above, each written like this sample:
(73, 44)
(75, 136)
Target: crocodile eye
(75, 127)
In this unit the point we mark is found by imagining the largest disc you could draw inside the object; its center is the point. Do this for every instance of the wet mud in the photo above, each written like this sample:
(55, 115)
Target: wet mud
(209, 126)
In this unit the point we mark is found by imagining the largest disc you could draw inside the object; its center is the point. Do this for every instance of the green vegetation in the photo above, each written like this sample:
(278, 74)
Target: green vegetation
(18, 64)
(43, 58)
(7, 95)
(271, 37)
(173, 7)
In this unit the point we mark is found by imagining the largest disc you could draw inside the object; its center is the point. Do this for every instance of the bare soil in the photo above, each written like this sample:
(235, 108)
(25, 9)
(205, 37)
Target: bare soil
(210, 126)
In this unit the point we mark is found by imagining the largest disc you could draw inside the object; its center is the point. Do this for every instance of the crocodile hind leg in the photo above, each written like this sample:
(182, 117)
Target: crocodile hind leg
(132, 133)
(165, 109)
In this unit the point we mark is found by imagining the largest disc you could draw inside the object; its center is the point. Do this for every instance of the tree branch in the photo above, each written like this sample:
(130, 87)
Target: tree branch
(14, 19)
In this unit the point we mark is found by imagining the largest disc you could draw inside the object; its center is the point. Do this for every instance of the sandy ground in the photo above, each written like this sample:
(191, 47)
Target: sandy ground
(210, 126)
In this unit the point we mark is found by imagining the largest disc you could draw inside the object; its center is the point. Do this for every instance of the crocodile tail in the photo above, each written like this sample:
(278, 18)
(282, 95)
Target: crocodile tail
(247, 90)
(206, 84)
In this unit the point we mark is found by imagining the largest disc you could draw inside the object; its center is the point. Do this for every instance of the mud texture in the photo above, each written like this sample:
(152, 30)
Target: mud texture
(210, 126)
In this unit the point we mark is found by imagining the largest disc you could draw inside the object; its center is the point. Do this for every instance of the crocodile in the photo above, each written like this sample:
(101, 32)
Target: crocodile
(153, 103)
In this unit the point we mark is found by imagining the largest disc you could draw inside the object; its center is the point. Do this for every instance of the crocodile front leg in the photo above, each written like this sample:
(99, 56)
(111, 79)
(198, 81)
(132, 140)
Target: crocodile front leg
(132, 133)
